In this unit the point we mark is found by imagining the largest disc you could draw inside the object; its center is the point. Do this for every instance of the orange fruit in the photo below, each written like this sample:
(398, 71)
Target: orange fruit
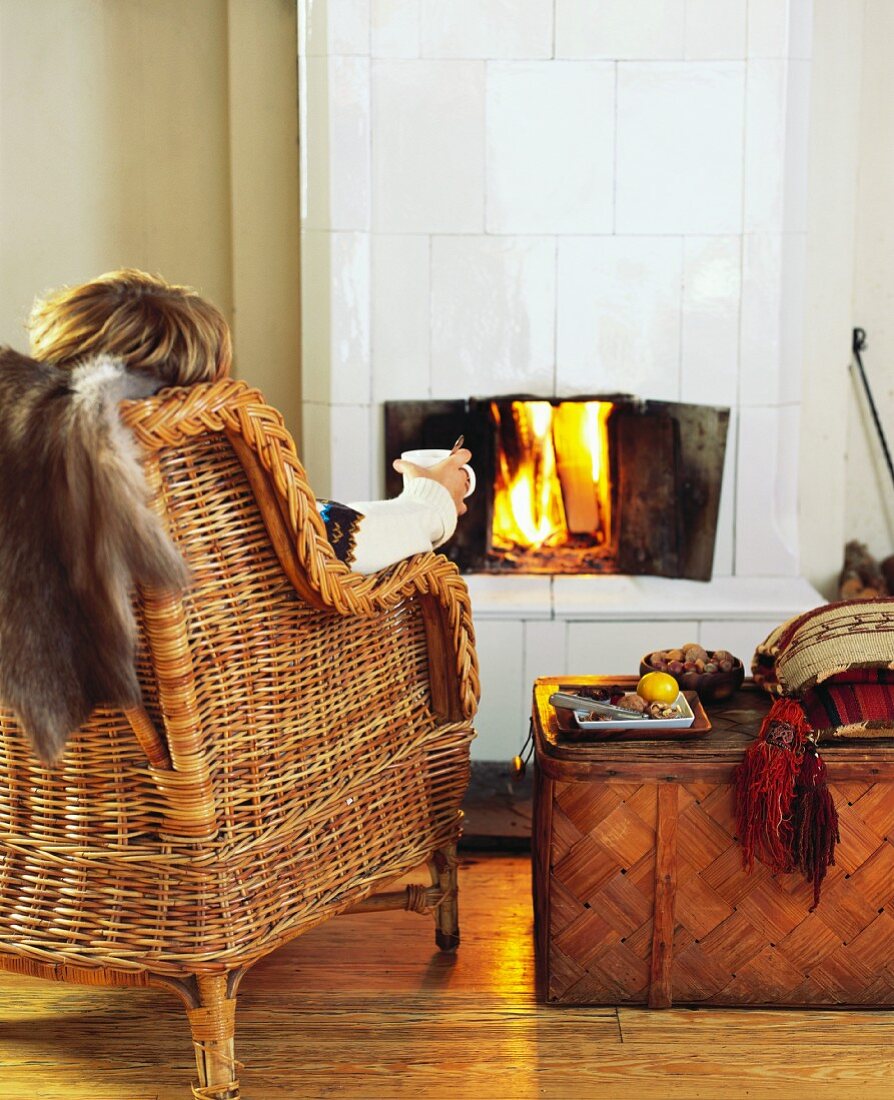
(658, 687)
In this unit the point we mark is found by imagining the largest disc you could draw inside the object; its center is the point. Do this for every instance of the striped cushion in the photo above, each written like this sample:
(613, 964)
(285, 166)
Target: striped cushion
(859, 703)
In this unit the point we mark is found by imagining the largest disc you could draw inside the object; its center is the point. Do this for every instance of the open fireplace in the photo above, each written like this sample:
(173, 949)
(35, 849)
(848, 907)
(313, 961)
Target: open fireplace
(607, 484)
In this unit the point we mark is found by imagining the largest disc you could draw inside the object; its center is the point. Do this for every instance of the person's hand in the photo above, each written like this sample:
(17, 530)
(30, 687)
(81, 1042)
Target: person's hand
(449, 473)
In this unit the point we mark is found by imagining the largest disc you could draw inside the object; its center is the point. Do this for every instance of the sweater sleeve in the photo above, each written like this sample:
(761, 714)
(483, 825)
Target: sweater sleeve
(371, 535)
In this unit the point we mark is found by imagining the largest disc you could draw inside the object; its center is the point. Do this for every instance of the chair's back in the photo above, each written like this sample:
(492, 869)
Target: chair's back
(272, 684)
(294, 744)
(252, 692)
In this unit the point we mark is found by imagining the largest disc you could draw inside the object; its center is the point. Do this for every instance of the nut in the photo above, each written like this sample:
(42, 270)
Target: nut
(631, 701)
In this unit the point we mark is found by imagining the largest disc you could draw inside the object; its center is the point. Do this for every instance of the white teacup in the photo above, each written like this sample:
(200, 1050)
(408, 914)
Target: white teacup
(431, 456)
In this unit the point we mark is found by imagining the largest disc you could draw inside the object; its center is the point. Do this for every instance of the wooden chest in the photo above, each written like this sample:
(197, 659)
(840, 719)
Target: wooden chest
(639, 892)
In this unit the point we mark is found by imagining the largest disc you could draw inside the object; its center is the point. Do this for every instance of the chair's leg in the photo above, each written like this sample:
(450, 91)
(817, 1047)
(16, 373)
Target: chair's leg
(444, 864)
(213, 1026)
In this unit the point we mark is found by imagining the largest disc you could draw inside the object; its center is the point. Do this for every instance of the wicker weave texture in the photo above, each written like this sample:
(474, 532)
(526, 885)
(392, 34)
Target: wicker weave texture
(738, 939)
(290, 757)
(829, 640)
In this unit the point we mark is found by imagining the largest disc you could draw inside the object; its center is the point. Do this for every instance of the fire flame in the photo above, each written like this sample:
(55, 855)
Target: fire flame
(552, 473)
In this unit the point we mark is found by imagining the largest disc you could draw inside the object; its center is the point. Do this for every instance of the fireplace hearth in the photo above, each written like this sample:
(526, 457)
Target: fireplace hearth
(589, 484)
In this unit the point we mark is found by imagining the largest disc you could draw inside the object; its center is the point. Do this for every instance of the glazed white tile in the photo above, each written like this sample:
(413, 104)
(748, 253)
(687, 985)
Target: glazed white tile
(724, 540)
(765, 146)
(767, 490)
(791, 326)
(609, 648)
(679, 147)
(336, 27)
(610, 597)
(335, 307)
(742, 638)
(487, 28)
(768, 28)
(377, 452)
(428, 146)
(760, 341)
(502, 720)
(351, 373)
(400, 317)
(658, 599)
(313, 83)
(619, 29)
(349, 450)
(619, 301)
(315, 451)
(316, 296)
(395, 28)
(800, 31)
(335, 154)
(546, 651)
(550, 146)
(797, 159)
(509, 596)
(715, 29)
(493, 311)
(712, 286)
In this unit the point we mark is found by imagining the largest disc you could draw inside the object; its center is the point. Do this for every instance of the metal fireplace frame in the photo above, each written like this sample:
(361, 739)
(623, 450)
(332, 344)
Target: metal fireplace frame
(667, 460)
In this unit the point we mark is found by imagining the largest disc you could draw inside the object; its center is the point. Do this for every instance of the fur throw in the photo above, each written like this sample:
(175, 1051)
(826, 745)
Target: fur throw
(76, 534)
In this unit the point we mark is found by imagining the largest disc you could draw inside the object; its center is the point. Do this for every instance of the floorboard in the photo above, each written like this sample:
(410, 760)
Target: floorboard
(365, 1007)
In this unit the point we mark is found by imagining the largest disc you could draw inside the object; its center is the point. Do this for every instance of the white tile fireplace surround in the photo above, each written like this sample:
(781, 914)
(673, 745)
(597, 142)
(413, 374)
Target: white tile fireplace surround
(559, 197)
(545, 626)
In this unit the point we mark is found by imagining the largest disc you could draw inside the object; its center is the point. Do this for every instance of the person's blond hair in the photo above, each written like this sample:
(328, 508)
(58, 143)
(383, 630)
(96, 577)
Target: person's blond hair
(152, 325)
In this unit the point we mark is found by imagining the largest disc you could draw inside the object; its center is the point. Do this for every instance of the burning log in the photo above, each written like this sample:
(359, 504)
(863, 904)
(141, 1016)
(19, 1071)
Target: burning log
(577, 458)
(552, 481)
(528, 508)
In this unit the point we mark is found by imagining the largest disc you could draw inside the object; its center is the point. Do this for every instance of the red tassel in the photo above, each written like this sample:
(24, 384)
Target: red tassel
(765, 788)
(815, 822)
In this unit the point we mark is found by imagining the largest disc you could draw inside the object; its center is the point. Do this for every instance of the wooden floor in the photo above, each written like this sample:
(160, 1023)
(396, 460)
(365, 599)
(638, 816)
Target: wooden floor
(365, 1007)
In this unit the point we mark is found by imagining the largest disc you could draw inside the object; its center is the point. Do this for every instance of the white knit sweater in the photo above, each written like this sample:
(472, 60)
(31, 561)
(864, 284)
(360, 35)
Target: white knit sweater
(422, 518)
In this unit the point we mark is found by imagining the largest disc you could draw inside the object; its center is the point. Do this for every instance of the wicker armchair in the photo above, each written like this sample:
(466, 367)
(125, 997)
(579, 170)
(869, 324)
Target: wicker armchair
(178, 844)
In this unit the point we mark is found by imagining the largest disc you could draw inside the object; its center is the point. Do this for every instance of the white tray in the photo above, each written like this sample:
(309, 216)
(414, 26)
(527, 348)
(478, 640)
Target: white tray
(682, 723)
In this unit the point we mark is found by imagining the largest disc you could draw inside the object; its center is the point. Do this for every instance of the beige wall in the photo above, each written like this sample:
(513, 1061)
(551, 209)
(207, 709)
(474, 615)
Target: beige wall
(869, 502)
(845, 489)
(828, 320)
(264, 199)
(131, 135)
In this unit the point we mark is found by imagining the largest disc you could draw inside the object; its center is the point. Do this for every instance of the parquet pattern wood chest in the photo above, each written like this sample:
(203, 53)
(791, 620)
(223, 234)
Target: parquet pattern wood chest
(639, 892)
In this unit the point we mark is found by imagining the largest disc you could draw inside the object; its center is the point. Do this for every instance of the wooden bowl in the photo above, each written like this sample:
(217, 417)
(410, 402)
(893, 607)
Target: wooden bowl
(708, 685)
